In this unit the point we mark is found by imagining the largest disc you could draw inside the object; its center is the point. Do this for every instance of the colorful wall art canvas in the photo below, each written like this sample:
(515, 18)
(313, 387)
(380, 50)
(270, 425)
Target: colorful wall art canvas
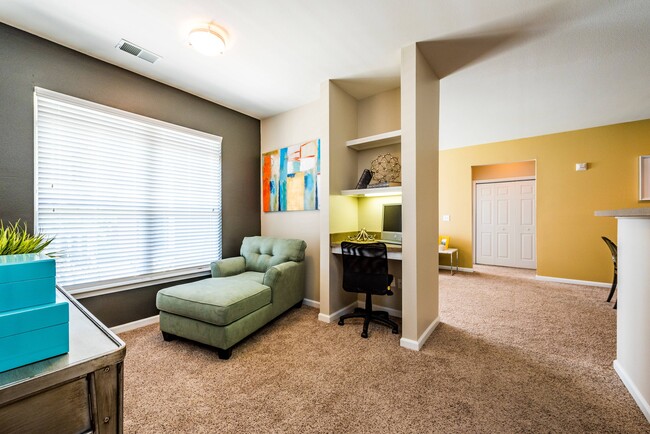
(291, 178)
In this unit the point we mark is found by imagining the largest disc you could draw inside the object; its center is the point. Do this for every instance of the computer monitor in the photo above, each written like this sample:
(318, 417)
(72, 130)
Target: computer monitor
(391, 223)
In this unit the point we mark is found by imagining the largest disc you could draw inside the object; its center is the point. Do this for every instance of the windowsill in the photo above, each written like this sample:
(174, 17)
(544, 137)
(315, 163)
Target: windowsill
(103, 288)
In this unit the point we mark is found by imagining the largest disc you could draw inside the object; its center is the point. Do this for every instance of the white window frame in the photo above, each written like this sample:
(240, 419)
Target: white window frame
(115, 285)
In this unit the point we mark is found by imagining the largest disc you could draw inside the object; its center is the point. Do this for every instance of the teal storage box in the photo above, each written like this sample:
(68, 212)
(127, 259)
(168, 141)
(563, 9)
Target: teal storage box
(26, 280)
(32, 334)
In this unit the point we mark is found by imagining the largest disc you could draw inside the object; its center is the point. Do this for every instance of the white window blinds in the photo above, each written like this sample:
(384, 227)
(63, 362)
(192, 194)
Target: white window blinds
(128, 197)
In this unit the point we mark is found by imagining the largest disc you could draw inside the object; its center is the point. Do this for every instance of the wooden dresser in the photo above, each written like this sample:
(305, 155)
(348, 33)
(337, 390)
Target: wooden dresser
(78, 392)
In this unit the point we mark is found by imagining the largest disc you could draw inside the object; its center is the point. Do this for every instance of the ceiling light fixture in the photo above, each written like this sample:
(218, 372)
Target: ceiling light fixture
(207, 40)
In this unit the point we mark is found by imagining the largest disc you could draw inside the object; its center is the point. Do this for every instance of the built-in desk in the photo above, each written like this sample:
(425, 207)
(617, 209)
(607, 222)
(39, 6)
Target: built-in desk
(633, 316)
(393, 251)
(80, 391)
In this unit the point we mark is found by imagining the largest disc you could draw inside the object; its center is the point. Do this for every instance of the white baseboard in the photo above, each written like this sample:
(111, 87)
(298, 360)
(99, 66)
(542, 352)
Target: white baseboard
(463, 269)
(336, 315)
(573, 281)
(634, 391)
(311, 303)
(417, 345)
(390, 310)
(135, 324)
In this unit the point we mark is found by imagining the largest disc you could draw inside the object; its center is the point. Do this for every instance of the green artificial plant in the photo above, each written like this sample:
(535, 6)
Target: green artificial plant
(16, 240)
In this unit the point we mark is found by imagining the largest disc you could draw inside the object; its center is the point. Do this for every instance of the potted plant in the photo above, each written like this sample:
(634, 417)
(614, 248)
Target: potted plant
(27, 276)
(16, 240)
(33, 326)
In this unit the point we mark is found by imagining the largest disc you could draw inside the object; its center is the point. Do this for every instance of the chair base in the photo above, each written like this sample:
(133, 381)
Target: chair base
(369, 315)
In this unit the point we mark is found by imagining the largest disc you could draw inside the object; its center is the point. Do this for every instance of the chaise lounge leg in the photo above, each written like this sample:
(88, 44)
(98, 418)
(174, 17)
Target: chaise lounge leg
(168, 336)
(224, 354)
(298, 305)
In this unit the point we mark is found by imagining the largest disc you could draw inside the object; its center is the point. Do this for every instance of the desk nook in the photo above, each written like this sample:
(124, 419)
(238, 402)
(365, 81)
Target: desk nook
(360, 130)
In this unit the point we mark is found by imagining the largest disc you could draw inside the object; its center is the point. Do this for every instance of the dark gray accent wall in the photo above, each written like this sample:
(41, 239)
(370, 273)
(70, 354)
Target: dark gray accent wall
(27, 61)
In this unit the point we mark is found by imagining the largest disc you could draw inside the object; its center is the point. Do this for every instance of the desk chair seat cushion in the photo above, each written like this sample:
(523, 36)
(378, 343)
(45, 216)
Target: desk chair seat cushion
(216, 301)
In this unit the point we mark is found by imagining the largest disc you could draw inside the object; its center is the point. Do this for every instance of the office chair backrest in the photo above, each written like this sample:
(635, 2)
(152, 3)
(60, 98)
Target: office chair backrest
(612, 248)
(365, 267)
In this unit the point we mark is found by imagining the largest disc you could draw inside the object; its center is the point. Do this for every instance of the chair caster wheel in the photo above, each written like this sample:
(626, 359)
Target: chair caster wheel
(364, 335)
(341, 322)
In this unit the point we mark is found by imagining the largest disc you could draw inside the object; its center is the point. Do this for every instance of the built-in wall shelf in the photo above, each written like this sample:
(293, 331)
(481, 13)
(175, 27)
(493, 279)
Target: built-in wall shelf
(369, 192)
(383, 139)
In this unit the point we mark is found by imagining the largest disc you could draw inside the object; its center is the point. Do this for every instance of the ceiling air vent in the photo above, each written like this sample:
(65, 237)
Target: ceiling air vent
(140, 52)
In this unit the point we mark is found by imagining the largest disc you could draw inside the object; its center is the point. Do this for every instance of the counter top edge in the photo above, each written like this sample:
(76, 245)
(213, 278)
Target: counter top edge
(629, 212)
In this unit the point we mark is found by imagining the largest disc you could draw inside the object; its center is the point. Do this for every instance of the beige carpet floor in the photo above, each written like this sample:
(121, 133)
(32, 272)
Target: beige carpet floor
(511, 355)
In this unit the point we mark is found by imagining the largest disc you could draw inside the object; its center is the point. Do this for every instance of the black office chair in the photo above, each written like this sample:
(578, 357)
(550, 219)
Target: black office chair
(365, 270)
(614, 250)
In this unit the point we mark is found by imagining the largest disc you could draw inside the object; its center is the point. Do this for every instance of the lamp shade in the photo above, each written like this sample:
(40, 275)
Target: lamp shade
(207, 41)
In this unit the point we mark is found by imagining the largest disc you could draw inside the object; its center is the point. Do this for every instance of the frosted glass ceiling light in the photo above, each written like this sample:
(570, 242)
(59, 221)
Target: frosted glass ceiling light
(206, 40)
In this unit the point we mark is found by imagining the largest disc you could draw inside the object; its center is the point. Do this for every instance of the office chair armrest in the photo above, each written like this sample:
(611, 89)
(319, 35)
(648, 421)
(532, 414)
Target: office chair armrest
(228, 267)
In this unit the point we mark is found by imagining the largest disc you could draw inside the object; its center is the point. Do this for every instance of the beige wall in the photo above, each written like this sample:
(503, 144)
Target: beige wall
(343, 213)
(375, 115)
(379, 113)
(296, 126)
(568, 235)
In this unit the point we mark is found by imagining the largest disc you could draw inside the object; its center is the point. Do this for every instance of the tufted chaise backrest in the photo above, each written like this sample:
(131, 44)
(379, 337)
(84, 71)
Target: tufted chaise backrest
(264, 252)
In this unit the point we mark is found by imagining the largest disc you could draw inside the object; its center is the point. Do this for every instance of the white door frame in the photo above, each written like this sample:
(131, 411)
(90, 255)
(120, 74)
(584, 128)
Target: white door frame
(496, 181)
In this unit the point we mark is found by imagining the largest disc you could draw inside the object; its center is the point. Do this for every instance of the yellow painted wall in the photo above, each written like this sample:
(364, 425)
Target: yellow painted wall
(568, 235)
(344, 216)
(370, 211)
(503, 171)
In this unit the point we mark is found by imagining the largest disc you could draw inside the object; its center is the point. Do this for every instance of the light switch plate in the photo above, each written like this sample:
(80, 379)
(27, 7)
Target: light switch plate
(445, 218)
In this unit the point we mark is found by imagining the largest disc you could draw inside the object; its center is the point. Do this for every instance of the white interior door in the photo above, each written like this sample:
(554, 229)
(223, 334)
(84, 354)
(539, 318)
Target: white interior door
(505, 224)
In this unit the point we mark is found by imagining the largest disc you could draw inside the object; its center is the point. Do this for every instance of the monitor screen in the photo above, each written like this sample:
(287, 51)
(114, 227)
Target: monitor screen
(391, 226)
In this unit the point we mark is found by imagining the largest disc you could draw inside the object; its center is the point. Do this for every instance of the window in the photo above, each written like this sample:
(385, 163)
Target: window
(129, 198)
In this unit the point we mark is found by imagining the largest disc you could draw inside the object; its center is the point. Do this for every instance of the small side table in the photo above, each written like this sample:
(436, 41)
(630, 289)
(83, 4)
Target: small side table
(451, 252)
(81, 391)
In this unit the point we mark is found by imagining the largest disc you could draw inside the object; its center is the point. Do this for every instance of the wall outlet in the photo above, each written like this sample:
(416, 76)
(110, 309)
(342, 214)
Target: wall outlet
(445, 218)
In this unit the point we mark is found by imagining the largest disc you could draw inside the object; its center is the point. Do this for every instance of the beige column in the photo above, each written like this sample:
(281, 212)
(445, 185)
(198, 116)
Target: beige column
(420, 95)
(339, 171)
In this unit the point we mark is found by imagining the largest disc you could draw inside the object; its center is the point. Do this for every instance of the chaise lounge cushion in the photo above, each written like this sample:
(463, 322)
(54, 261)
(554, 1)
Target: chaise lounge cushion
(261, 253)
(216, 301)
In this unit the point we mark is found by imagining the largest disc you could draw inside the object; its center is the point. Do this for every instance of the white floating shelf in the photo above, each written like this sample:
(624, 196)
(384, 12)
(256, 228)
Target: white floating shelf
(383, 139)
(379, 191)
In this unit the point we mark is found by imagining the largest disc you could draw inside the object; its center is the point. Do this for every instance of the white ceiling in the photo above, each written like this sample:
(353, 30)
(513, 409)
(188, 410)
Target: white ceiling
(509, 68)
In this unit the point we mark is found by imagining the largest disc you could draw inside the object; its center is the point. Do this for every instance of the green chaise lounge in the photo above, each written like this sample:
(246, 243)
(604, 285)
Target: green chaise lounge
(244, 294)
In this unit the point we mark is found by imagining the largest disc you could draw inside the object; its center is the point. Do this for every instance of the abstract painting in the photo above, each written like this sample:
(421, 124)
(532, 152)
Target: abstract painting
(291, 178)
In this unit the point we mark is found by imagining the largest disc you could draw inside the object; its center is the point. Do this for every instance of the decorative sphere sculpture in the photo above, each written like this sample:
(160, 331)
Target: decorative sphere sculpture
(385, 168)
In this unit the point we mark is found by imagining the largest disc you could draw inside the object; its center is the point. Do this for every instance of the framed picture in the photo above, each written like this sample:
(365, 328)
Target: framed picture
(291, 178)
(443, 242)
(644, 177)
